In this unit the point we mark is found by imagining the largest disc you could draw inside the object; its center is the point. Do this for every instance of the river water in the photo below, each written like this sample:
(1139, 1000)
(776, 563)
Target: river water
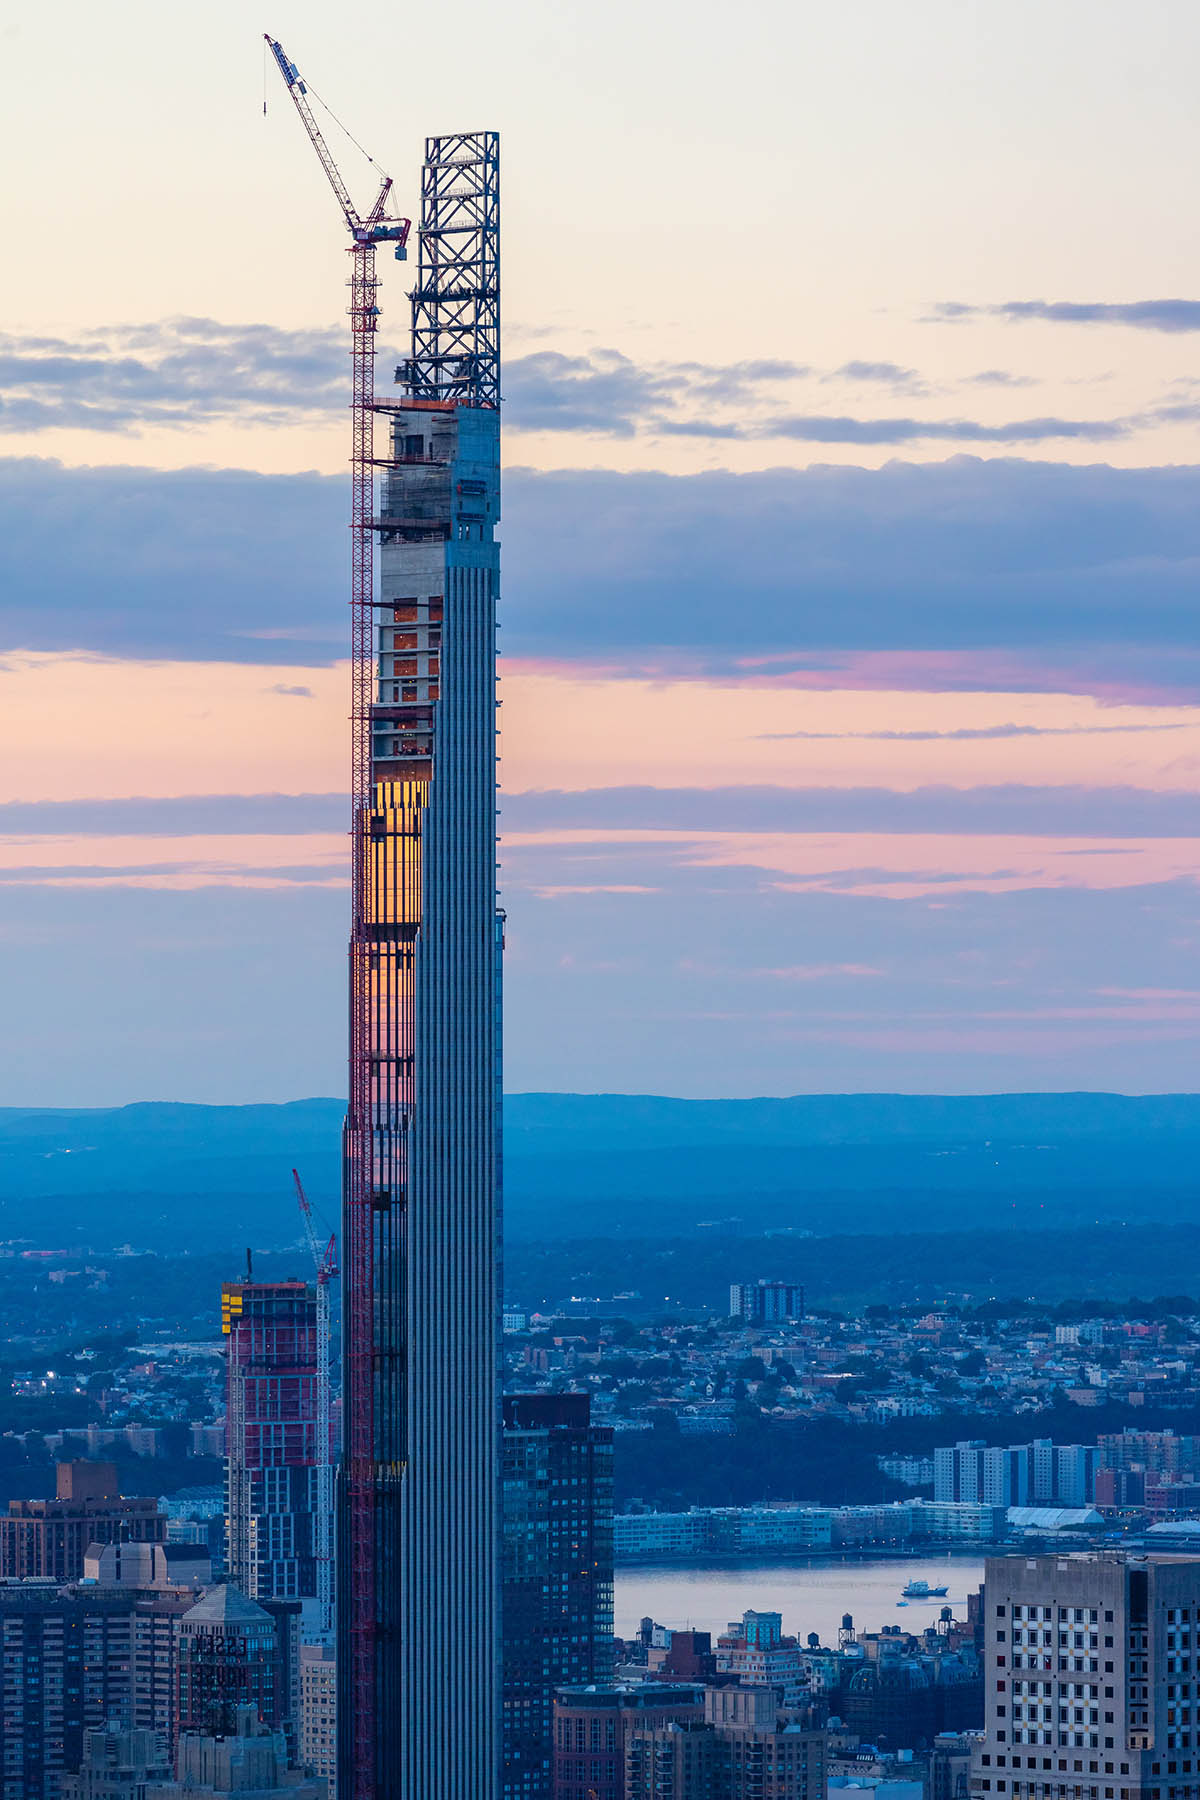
(811, 1596)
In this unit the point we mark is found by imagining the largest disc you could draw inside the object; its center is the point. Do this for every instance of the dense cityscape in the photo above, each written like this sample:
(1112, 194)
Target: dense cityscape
(603, 1445)
(198, 1605)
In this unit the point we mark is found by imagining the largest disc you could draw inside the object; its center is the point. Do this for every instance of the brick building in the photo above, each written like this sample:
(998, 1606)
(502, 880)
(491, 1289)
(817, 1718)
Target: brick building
(592, 1726)
(48, 1538)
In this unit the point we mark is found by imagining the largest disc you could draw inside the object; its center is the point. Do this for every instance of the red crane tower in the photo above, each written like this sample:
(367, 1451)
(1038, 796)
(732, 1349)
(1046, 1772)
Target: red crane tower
(358, 1572)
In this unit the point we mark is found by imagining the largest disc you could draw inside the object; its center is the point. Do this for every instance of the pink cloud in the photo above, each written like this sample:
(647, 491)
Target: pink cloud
(884, 865)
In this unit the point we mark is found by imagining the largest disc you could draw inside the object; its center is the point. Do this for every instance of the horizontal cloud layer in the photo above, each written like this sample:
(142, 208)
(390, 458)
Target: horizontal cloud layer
(176, 372)
(185, 372)
(606, 392)
(966, 734)
(190, 814)
(1040, 560)
(1146, 315)
(192, 563)
(1028, 811)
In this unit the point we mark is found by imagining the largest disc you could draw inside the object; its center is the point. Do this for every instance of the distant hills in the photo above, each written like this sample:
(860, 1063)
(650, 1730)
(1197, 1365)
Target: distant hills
(163, 1175)
(583, 1166)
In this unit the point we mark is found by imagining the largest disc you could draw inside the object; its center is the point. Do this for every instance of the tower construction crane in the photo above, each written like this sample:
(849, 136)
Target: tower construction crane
(326, 1265)
(357, 1571)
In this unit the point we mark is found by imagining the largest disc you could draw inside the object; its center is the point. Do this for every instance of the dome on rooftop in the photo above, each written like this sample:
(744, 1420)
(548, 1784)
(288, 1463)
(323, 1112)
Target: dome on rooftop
(895, 1674)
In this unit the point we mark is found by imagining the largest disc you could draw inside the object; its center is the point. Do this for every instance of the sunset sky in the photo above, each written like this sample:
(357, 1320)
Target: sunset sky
(851, 542)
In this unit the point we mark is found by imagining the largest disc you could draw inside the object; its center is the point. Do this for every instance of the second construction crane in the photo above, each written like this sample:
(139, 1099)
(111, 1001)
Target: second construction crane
(326, 1266)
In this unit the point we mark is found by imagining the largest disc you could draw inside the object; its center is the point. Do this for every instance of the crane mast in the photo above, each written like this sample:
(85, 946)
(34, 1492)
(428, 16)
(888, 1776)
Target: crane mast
(358, 1573)
(325, 1265)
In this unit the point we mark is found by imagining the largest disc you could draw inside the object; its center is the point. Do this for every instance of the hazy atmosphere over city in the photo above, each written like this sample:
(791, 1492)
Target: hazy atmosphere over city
(849, 678)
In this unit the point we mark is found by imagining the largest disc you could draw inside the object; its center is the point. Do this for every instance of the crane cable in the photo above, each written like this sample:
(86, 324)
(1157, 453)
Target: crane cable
(344, 128)
(324, 104)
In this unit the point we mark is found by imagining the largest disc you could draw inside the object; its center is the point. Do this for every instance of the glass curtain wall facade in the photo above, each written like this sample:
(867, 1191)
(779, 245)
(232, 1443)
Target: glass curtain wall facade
(557, 1567)
(270, 1331)
(427, 971)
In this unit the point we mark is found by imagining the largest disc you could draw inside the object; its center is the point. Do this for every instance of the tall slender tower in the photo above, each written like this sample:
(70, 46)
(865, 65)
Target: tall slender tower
(418, 1711)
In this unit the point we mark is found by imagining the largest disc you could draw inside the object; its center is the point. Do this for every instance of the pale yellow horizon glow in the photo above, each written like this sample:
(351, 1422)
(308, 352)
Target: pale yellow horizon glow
(806, 187)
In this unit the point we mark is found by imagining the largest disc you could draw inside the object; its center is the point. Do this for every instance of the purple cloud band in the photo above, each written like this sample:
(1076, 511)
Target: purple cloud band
(1012, 809)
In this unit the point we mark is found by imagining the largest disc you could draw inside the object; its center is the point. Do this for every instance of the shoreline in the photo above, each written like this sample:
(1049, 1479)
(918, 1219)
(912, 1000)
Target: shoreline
(814, 1558)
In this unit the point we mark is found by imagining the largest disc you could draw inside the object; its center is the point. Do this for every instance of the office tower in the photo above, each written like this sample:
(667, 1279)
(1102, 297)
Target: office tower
(1063, 1474)
(744, 1748)
(270, 1331)
(189, 1562)
(74, 1659)
(1125, 1488)
(1043, 1484)
(1156, 1453)
(949, 1767)
(890, 1700)
(118, 1765)
(766, 1302)
(207, 1439)
(687, 1656)
(592, 1726)
(766, 1754)
(231, 1653)
(250, 1760)
(318, 1710)
(1038, 1474)
(286, 1616)
(129, 1565)
(418, 1532)
(757, 1653)
(1075, 1474)
(48, 1538)
(676, 1761)
(983, 1473)
(557, 1573)
(1092, 1682)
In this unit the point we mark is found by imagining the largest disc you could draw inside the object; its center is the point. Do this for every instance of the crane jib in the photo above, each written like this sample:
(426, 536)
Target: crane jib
(287, 69)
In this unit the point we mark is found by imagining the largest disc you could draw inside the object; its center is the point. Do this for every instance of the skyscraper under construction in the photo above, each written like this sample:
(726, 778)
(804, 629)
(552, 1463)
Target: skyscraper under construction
(418, 1647)
(273, 1541)
(418, 1637)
